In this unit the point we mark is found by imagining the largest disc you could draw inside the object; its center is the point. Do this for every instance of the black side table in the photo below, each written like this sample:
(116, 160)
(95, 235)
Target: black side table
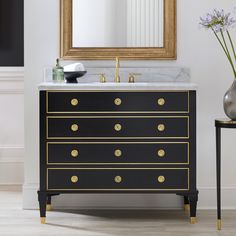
(220, 123)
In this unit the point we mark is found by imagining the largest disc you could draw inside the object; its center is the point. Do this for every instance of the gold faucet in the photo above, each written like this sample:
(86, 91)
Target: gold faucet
(117, 75)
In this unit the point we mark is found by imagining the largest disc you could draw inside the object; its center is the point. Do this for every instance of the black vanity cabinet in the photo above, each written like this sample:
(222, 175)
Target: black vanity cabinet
(117, 142)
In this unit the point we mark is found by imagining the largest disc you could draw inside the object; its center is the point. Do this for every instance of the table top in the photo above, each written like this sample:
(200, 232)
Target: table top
(225, 123)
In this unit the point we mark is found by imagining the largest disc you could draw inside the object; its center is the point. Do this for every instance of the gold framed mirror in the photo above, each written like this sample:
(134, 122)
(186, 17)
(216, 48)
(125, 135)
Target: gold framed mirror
(139, 46)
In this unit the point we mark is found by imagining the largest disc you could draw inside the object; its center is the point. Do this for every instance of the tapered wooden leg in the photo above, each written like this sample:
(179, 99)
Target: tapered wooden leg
(49, 203)
(218, 175)
(42, 198)
(193, 208)
(186, 204)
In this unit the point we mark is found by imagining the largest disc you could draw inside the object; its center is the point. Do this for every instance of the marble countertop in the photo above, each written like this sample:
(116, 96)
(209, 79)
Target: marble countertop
(119, 86)
(156, 78)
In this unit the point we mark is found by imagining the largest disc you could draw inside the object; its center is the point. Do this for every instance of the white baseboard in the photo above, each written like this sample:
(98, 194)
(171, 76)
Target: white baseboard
(12, 80)
(11, 187)
(11, 154)
(207, 200)
(11, 165)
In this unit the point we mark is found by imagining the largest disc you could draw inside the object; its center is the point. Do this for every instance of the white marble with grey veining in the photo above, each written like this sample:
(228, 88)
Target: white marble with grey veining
(146, 74)
(158, 78)
(119, 86)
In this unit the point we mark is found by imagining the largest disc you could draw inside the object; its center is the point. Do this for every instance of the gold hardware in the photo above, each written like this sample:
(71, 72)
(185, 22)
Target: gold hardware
(74, 102)
(161, 179)
(118, 101)
(161, 101)
(117, 127)
(74, 179)
(161, 153)
(186, 207)
(43, 220)
(102, 78)
(74, 153)
(117, 75)
(74, 127)
(161, 127)
(193, 220)
(118, 153)
(131, 78)
(48, 207)
(219, 224)
(118, 179)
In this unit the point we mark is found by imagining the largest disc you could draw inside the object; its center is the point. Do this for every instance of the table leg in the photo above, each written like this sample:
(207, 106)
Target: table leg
(218, 175)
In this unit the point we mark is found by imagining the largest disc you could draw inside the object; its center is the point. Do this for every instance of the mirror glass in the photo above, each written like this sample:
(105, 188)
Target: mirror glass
(117, 23)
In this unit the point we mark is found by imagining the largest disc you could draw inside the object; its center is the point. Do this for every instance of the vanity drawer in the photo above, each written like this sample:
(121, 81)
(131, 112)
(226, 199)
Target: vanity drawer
(117, 153)
(118, 179)
(97, 102)
(117, 127)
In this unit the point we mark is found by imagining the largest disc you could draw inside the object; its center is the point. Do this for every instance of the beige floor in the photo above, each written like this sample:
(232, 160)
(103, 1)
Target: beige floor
(15, 221)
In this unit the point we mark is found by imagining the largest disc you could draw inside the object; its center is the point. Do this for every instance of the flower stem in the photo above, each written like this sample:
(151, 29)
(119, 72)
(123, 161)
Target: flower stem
(221, 44)
(229, 56)
(232, 44)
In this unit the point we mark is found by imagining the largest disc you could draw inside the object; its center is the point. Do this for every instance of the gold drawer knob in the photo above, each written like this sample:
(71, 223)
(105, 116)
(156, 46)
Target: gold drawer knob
(161, 101)
(74, 127)
(117, 101)
(74, 179)
(74, 102)
(117, 127)
(74, 153)
(161, 127)
(161, 179)
(118, 179)
(161, 153)
(118, 153)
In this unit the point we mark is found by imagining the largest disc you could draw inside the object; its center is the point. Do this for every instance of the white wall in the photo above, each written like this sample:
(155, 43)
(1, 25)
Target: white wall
(103, 21)
(11, 126)
(197, 49)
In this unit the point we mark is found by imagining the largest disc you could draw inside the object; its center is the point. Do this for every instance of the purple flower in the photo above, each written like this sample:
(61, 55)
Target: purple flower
(217, 21)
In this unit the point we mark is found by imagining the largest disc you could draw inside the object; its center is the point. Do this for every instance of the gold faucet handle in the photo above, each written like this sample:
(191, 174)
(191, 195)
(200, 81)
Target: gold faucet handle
(132, 77)
(102, 78)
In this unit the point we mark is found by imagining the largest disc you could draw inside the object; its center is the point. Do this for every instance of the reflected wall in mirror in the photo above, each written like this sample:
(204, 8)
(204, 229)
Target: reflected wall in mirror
(130, 29)
(118, 23)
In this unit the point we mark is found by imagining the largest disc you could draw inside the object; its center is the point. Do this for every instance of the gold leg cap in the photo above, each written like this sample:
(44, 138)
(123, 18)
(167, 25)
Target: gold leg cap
(193, 220)
(43, 220)
(49, 207)
(219, 224)
(186, 207)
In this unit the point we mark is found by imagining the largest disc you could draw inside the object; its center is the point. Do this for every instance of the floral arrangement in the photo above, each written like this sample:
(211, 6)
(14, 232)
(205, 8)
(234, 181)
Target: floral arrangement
(220, 23)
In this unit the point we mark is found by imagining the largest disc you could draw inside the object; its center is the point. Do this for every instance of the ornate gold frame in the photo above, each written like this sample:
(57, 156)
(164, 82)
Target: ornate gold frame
(168, 52)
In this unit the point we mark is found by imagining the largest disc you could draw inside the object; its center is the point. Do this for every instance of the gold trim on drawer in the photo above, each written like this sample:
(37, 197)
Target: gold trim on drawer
(111, 163)
(157, 189)
(120, 91)
(107, 117)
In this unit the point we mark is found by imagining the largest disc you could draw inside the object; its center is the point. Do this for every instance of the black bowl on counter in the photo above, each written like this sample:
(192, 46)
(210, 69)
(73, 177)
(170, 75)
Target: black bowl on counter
(71, 77)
